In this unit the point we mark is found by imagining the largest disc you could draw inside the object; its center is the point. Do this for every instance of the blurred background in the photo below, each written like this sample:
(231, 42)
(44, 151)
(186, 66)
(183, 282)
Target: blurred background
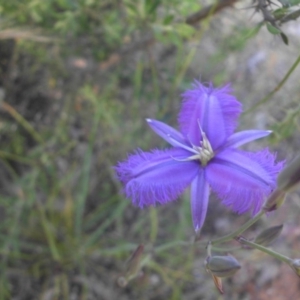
(77, 80)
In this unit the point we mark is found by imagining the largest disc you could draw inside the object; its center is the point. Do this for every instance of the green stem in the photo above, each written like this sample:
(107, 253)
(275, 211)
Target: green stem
(50, 236)
(208, 249)
(277, 255)
(153, 224)
(17, 158)
(277, 88)
(236, 233)
(227, 249)
(22, 121)
(171, 245)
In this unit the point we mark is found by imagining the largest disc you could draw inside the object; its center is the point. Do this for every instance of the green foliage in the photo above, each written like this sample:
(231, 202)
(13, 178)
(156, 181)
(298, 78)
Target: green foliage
(62, 211)
(241, 36)
(103, 23)
(272, 29)
(284, 129)
(289, 3)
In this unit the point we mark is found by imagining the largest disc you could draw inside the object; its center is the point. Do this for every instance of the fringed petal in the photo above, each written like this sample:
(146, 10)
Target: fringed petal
(199, 200)
(242, 179)
(243, 137)
(168, 133)
(216, 110)
(157, 176)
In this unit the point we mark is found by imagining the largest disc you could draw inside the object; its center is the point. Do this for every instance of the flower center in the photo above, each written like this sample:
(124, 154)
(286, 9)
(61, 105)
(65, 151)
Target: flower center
(204, 152)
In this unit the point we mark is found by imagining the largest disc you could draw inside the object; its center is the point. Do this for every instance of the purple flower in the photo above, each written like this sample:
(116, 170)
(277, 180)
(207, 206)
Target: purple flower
(205, 156)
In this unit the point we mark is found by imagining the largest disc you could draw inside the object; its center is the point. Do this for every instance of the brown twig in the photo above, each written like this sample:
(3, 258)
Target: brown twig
(22, 34)
(268, 17)
(208, 10)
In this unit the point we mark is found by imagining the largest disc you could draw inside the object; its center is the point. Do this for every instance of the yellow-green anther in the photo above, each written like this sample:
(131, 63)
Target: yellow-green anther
(222, 266)
(289, 178)
(268, 235)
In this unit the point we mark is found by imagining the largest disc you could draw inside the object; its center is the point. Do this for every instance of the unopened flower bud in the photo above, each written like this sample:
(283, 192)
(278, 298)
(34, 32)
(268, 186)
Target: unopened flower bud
(295, 265)
(222, 266)
(275, 200)
(289, 178)
(268, 235)
(133, 266)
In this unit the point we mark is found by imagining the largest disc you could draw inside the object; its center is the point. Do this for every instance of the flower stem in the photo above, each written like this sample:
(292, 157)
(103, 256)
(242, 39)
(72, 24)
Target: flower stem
(277, 255)
(277, 88)
(236, 233)
(227, 249)
(171, 245)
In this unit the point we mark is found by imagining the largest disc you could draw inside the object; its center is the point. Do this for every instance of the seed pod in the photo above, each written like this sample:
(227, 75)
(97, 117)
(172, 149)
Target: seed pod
(222, 266)
(268, 235)
(295, 265)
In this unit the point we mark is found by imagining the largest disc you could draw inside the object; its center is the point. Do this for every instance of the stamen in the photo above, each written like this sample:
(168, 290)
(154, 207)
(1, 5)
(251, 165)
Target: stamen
(190, 158)
(204, 153)
(180, 145)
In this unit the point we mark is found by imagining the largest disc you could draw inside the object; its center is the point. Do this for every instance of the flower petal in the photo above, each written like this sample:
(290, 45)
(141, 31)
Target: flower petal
(243, 137)
(243, 179)
(157, 176)
(214, 109)
(168, 133)
(199, 200)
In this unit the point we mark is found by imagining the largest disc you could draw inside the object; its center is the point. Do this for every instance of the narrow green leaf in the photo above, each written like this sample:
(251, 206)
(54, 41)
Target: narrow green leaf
(168, 19)
(151, 6)
(291, 16)
(284, 38)
(272, 29)
(279, 13)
